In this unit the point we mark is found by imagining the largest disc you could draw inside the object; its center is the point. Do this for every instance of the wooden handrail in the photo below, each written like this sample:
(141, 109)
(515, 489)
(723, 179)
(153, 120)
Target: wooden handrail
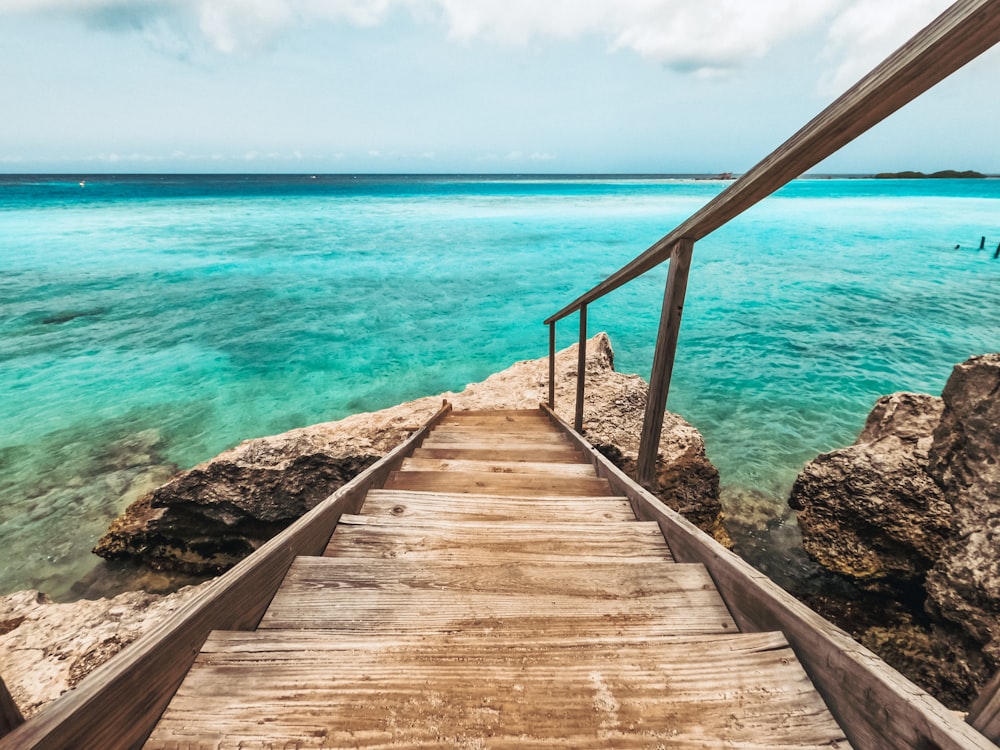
(116, 707)
(960, 34)
(10, 716)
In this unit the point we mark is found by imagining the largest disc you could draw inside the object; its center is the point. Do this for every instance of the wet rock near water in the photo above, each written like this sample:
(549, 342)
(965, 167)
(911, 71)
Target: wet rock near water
(871, 511)
(964, 586)
(912, 510)
(207, 519)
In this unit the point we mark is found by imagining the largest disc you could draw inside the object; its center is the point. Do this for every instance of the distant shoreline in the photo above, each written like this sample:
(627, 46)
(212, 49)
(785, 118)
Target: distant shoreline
(947, 174)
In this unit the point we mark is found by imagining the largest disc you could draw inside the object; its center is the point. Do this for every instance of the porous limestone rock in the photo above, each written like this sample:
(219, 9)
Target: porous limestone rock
(208, 518)
(47, 648)
(870, 511)
(964, 586)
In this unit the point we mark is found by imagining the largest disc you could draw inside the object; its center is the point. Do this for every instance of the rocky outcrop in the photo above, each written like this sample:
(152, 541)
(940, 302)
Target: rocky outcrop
(913, 509)
(47, 648)
(208, 518)
(871, 511)
(964, 586)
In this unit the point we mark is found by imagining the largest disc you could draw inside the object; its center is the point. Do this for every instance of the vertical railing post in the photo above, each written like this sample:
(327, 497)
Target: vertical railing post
(663, 360)
(581, 370)
(552, 365)
(10, 716)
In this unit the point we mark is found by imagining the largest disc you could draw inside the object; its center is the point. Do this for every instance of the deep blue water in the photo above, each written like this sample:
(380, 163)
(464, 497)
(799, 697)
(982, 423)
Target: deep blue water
(154, 321)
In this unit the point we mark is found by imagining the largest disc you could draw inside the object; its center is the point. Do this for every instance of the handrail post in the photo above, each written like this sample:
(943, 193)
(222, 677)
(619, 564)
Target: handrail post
(10, 716)
(581, 370)
(663, 360)
(552, 365)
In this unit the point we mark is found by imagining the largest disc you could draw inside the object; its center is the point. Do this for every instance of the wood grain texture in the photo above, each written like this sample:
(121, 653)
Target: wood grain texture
(420, 463)
(960, 34)
(878, 707)
(117, 705)
(537, 454)
(984, 713)
(434, 541)
(455, 507)
(491, 483)
(10, 716)
(378, 596)
(248, 690)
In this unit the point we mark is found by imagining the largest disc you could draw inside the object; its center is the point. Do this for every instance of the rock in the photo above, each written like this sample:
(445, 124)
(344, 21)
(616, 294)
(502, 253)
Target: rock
(964, 586)
(208, 518)
(47, 648)
(870, 511)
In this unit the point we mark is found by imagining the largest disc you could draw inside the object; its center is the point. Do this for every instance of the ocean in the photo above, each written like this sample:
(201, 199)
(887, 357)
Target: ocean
(149, 322)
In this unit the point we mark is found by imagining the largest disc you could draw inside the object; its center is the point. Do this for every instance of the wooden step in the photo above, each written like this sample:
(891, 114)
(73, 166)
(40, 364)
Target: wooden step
(449, 437)
(496, 541)
(305, 690)
(489, 483)
(393, 596)
(500, 413)
(496, 445)
(466, 507)
(542, 454)
(499, 467)
(495, 422)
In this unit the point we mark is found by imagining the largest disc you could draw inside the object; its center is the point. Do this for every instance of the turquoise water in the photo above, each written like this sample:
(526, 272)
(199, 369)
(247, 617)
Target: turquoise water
(148, 323)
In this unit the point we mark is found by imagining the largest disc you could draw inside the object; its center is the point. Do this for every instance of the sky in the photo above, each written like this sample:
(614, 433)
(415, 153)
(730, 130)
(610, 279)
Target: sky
(474, 86)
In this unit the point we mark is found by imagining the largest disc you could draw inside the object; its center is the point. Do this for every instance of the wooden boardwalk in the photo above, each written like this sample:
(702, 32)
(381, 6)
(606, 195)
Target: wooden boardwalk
(494, 593)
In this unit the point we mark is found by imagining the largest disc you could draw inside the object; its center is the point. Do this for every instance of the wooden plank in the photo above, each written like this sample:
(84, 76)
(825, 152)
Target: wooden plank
(116, 706)
(278, 690)
(499, 467)
(502, 413)
(552, 365)
(663, 361)
(511, 419)
(484, 443)
(878, 707)
(10, 715)
(455, 507)
(984, 713)
(490, 483)
(454, 435)
(393, 596)
(581, 370)
(484, 541)
(546, 455)
(960, 34)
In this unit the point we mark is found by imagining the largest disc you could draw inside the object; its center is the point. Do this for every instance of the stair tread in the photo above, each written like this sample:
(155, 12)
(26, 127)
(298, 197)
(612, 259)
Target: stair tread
(305, 689)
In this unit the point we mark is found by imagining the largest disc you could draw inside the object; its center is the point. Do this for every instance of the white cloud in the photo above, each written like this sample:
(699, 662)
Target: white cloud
(867, 32)
(706, 37)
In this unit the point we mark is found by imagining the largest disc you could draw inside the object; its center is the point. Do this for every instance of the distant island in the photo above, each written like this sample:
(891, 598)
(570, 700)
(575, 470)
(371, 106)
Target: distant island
(947, 174)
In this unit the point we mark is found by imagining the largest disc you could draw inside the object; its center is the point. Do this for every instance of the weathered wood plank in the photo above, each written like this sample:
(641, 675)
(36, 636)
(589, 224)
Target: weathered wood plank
(116, 706)
(485, 443)
(984, 713)
(499, 467)
(491, 483)
(878, 707)
(502, 413)
(454, 435)
(10, 715)
(455, 507)
(496, 541)
(663, 361)
(380, 596)
(531, 454)
(279, 690)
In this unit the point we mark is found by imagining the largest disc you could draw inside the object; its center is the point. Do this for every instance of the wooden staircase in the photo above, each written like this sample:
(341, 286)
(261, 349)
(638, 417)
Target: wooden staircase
(494, 593)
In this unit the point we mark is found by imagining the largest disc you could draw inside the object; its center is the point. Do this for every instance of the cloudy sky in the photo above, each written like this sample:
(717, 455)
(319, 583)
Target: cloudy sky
(464, 85)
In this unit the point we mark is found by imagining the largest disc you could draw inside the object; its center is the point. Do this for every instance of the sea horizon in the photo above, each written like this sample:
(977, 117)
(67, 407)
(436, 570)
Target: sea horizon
(151, 320)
